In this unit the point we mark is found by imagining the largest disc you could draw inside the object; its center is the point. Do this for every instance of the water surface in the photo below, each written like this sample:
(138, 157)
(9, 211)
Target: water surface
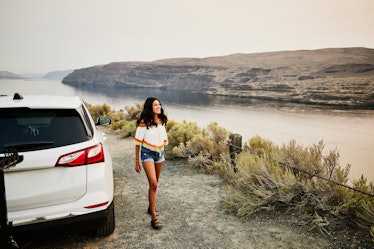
(349, 131)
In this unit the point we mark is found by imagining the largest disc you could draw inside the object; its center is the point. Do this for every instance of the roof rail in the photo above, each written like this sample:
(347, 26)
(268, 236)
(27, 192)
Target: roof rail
(17, 96)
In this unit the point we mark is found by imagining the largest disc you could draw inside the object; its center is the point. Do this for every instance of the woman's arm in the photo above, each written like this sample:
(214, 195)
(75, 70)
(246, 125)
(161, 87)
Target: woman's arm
(137, 163)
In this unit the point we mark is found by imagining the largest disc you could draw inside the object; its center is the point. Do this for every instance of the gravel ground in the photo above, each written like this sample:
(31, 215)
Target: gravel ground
(191, 207)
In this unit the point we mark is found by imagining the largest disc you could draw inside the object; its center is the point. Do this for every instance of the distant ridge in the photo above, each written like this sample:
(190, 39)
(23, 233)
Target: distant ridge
(9, 75)
(331, 76)
(57, 75)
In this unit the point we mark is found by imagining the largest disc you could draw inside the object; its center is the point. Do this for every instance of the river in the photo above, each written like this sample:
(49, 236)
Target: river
(349, 131)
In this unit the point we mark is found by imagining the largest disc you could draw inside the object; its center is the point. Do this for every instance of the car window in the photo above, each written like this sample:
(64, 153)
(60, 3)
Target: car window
(86, 115)
(31, 129)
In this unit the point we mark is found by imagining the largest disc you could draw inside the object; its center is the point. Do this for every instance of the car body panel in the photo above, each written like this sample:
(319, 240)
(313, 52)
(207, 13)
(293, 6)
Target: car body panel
(38, 191)
(39, 102)
(44, 187)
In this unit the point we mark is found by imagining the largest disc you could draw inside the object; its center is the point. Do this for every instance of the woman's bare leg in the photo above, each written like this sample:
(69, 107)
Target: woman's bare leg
(158, 170)
(153, 172)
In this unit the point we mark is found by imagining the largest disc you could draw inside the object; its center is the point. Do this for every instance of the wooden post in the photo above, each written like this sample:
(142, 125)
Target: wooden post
(235, 148)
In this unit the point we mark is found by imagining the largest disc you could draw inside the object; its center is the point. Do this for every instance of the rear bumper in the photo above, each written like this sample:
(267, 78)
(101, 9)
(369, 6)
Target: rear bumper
(87, 222)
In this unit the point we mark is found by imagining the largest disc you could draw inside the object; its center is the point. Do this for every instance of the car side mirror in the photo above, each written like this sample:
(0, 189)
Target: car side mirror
(103, 121)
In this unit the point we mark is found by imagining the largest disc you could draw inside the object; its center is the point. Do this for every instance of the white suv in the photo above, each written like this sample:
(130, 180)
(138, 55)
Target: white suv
(66, 174)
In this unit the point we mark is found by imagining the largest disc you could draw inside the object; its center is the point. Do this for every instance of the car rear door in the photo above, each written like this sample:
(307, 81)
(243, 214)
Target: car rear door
(42, 137)
(36, 182)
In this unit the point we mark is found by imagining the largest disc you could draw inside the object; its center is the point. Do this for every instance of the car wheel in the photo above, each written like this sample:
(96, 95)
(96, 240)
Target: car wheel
(108, 227)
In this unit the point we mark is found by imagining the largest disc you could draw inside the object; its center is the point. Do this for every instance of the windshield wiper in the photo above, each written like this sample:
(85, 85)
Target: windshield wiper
(20, 146)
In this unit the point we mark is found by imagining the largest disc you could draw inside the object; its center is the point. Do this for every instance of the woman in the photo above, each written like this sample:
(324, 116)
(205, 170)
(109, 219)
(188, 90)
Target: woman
(150, 138)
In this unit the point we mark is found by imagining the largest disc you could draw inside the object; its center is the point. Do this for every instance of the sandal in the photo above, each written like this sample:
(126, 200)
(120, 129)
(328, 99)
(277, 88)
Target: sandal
(149, 211)
(156, 224)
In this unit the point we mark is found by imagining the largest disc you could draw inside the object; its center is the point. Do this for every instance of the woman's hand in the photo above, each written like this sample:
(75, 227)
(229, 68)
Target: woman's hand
(137, 166)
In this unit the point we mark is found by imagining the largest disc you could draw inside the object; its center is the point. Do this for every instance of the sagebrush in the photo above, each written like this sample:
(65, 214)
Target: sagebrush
(265, 176)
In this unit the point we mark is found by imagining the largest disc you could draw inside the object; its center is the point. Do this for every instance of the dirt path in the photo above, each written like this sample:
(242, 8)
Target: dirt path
(191, 207)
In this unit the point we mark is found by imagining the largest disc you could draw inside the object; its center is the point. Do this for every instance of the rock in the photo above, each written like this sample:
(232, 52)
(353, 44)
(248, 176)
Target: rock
(337, 77)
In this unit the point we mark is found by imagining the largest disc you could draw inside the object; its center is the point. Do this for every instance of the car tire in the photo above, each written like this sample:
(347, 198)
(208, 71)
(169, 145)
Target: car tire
(108, 227)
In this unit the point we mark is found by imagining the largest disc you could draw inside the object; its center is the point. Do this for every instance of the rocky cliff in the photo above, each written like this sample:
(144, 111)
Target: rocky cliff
(336, 76)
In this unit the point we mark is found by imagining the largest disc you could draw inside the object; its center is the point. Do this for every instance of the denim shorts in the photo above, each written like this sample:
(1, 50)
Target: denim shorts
(147, 155)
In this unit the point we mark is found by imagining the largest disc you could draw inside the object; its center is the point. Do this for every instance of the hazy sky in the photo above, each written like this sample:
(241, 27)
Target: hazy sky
(38, 36)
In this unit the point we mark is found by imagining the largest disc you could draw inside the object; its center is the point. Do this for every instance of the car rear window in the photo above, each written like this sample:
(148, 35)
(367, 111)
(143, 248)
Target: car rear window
(34, 129)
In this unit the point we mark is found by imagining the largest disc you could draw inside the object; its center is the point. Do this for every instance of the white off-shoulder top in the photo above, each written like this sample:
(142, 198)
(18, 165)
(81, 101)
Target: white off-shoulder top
(154, 138)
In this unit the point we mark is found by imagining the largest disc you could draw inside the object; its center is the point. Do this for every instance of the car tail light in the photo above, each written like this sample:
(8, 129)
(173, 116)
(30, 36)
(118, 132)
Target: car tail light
(94, 154)
(98, 205)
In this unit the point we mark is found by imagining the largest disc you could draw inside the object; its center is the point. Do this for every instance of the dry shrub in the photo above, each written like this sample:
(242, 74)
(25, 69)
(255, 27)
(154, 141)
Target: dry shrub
(133, 112)
(265, 177)
(304, 158)
(266, 185)
(359, 206)
(126, 121)
(98, 110)
(116, 116)
(263, 181)
(203, 147)
(217, 133)
(258, 146)
(181, 133)
(170, 124)
(179, 151)
(128, 129)
(117, 125)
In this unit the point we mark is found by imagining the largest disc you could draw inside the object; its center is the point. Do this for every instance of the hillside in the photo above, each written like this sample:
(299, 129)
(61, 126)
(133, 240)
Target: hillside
(335, 76)
(57, 75)
(9, 75)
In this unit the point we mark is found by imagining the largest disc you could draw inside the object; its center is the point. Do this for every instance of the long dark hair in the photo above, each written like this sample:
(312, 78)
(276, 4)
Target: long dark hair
(147, 115)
